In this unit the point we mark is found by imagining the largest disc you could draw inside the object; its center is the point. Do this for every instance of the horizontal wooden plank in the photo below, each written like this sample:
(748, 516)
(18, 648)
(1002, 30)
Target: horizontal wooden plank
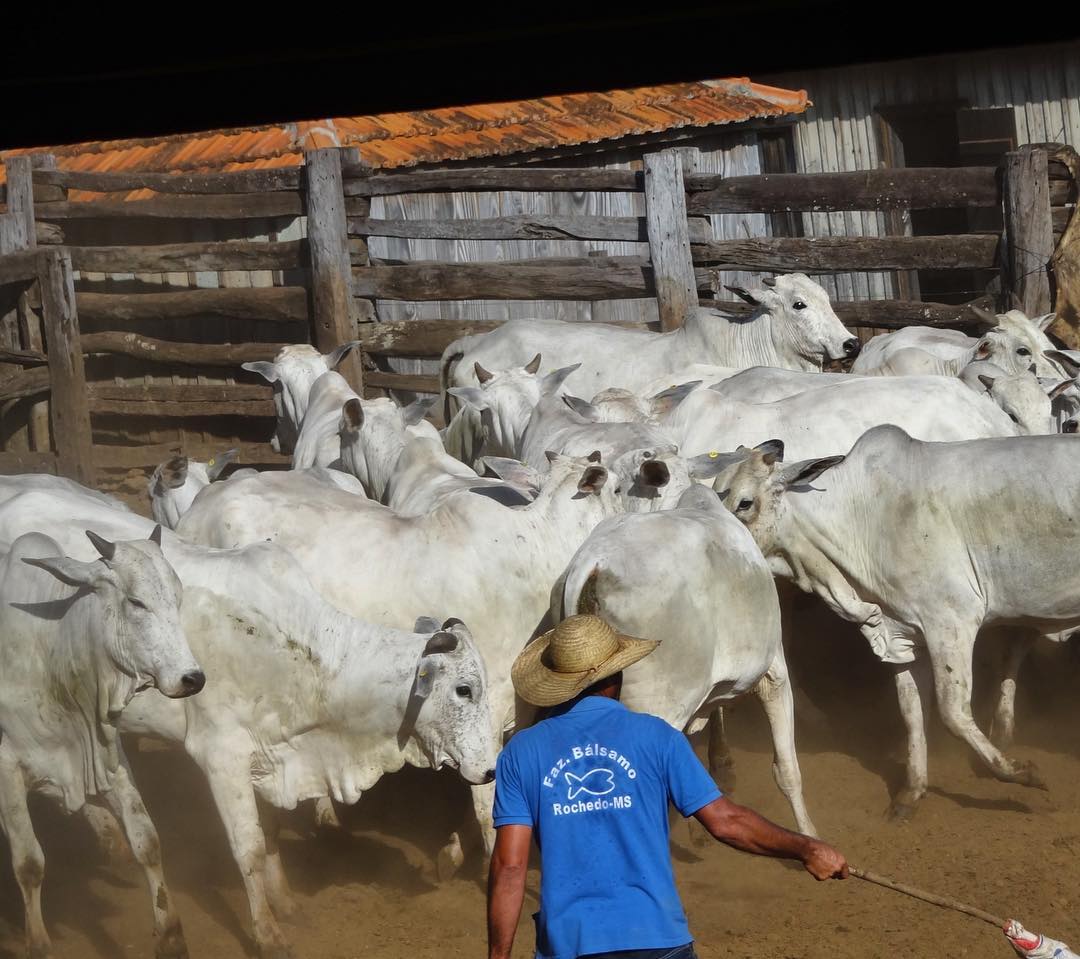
(830, 254)
(887, 314)
(569, 278)
(413, 382)
(1062, 192)
(241, 181)
(25, 383)
(183, 257)
(166, 351)
(886, 189)
(22, 357)
(428, 338)
(1060, 216)
(169, 401)
(133, 457)
(220, 207)
(13, 463)
(568, 180)
(282, 304)
(625, 228)
(19, 267)
(50, 234)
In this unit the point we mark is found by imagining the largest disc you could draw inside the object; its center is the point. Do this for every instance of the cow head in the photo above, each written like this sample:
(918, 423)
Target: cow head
(623, 406)
(1005, 350)
(753, 483)
(505, 399)
(175, 483)
(1026, 332)
(1024, 400)
(292, 374)
(803, 322)
(140, 598)
(453, 725)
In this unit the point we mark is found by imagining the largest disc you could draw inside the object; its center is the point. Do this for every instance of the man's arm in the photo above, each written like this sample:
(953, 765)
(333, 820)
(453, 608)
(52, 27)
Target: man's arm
(744, 829)
(506, 887)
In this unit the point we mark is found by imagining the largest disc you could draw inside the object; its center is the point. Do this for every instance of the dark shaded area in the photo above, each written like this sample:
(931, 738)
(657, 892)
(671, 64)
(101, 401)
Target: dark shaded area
(127, 75)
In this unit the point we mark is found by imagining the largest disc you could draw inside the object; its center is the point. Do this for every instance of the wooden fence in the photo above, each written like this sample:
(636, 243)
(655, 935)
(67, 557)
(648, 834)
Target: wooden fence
(322, 286)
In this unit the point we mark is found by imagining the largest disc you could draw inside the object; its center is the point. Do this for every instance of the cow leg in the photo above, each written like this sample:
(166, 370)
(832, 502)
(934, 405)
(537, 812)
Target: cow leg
(721, 762)
(1003, 726)
(126, 804)
(451, 856)
(111, 841)
(774, 692)
(326, 816)
(277, 886)
(953, 647)
(913, 691)
(27, 859)
(235, 801)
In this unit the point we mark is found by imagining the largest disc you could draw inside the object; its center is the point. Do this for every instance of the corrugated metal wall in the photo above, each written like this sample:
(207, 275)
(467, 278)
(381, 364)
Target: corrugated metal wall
(1040, 84)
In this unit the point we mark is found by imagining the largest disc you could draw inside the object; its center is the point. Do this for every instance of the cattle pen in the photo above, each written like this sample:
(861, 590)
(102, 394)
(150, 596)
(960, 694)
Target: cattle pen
(117, 348)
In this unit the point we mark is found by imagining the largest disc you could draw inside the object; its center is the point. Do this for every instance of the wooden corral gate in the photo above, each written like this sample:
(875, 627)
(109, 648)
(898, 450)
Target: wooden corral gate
(164, 326)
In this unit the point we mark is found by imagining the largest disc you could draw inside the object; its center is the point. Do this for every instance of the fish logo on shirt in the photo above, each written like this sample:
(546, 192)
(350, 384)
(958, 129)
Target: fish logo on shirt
(596, 782)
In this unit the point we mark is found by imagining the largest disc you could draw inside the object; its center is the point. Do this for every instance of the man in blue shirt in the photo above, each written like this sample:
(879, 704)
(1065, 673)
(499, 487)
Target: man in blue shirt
(592, 782)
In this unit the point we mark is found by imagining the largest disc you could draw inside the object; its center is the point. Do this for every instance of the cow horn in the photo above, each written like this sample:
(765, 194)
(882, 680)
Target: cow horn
(594, 456)
(482, 375)
(742, 294)
(155, 537)
(102, 545)
(533, 366)
(769, 281)
(985, 315)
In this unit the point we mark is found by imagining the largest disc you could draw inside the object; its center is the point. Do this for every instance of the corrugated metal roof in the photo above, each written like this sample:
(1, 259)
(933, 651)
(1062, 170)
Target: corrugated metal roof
(386, 141)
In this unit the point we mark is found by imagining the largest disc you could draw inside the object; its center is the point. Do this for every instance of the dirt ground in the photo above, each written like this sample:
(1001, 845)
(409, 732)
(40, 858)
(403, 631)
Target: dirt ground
(370, 891)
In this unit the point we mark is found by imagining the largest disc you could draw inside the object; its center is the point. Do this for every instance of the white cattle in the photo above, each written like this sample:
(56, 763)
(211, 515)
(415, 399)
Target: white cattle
(78, 640)
(492, 566)
(1021, 397)
(493, 416)
(793, 326)
(292, 374)
(831, 419)
(616, 405)
(998, 346)
(175, 483)
(291, 688)
(1029, 345)
(921, 545)
(693, 578)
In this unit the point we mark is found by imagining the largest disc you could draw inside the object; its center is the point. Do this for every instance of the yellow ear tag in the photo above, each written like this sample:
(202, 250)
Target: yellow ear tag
(209, 462)
(713, 454)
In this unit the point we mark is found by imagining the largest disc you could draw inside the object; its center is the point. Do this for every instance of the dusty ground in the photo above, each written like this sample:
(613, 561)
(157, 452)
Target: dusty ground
(371, 891)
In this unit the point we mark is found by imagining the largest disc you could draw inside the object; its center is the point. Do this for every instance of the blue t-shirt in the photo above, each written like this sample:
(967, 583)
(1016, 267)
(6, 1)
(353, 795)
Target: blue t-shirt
(594, 781)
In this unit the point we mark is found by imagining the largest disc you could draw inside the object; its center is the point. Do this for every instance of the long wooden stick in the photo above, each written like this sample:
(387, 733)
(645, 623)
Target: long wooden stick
(946, 902)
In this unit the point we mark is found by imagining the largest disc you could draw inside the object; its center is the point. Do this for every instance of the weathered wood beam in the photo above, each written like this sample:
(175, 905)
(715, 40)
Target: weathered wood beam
(191, 257)
(179, 402)
(19, 267)
(133, 457)
(536, 227)
(281, 304)
(165, 351)
(359, 181)
(241, 181)
(1029, 231)
(12, 463)
(669, 238)
(209, 207)
(413, 382)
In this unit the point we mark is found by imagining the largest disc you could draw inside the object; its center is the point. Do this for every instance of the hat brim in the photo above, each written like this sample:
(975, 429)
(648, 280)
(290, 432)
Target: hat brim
(537, 684)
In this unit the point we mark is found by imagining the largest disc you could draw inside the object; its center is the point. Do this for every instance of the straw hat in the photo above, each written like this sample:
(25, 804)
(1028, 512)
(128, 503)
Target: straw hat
(578, 652)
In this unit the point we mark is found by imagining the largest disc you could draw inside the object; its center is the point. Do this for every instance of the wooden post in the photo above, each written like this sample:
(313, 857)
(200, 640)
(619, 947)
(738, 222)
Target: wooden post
(33, 337)
(20, 197)
(669, 238)
(1029, 232)
(70, 405)
(333, 312)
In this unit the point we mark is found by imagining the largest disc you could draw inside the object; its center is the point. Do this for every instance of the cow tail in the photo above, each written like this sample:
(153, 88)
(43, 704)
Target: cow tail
(450, 359)
(580, 592)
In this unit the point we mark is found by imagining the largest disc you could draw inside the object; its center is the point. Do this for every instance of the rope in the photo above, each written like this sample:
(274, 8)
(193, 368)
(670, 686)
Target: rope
(946, 902)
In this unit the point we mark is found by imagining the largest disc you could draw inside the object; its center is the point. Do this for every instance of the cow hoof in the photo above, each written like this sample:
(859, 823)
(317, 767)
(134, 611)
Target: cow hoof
(285, 907)
(326, 817)
(39, 950)
(276, 951)
(901, 809)
(450, 859)
(172, 945)
(1028, 775)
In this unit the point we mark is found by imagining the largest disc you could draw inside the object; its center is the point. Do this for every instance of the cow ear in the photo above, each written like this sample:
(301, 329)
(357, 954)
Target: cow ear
(1063, 387)
(533, 366)
(592, 479)
(417, 410)
(654, 473)
(1066, 362)
(266, 370)
(470, 396)
(426, 624)
(511, 471)
(442, 642)
(582, 407)
(172, 474)
(985, 316)
(70, 571)
(155, 536)
(805, 472)
(1042, 322)
(742, 294)
(708, 465)
(219, 462)
(550, 383)
(452, 622)
(987, 381)
(667, 400)
(336, 356)
(352, 416)
(772, 451)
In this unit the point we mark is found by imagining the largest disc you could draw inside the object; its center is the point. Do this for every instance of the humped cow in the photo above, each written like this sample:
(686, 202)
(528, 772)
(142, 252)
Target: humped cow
(717, 614)
(78, 641)
(792, 326)
(921, 545)
(257, 618)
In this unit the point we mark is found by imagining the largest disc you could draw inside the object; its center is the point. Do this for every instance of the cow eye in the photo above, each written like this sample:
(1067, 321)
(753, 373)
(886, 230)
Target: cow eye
(1012, 416)
(744, 504)
(798, 305)
(1024, 351)
(137, 603)
(464, 692)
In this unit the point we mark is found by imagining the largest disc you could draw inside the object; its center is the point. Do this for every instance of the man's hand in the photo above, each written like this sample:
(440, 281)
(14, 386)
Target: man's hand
(824, 862)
